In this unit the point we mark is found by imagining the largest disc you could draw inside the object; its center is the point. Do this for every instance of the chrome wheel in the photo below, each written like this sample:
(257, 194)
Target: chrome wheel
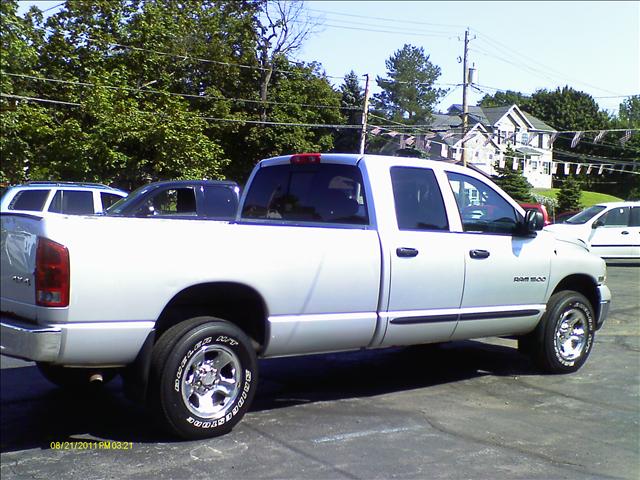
(211, 381)
(571, 334)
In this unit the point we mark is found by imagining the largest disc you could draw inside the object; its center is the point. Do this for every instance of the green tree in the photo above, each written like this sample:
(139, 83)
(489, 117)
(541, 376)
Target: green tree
(569, 195)
(408, 93)
(505, 99)
(629, 112)
(512, 181)
(351, 105)
(567, 109)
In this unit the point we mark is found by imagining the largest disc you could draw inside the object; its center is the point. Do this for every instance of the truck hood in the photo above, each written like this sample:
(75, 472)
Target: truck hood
(570, 232)
(562, 240)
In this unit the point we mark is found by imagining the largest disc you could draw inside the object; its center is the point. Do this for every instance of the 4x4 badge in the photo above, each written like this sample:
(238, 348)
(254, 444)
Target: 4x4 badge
(21, 280)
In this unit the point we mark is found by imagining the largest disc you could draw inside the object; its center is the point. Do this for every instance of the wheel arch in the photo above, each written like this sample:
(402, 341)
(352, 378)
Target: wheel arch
(236, 303)
(583, 284)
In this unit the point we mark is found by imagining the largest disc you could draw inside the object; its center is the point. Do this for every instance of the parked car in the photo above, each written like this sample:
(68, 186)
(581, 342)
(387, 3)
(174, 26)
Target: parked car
(540, 208)
(611, 230)
(59, 197)
(208, 199)
(330, 252)
(564, 216)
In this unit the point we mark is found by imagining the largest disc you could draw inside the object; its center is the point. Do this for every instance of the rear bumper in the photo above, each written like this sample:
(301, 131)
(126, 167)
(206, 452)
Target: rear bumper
(29, 342)
(106, 344)
(605, 303)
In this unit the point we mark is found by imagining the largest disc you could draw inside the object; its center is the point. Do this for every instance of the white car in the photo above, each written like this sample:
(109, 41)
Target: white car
(610, 230)
(59, 197)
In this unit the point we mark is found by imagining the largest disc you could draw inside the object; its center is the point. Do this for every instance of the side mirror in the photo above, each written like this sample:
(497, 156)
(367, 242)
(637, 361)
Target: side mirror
(597, 223)
(533, 221)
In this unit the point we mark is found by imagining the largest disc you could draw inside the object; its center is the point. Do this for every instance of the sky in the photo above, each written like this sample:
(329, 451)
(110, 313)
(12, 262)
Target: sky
(592, 46)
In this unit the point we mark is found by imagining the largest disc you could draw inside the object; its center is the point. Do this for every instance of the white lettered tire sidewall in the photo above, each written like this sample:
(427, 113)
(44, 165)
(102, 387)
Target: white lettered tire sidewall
(211, 334)
(552, 358)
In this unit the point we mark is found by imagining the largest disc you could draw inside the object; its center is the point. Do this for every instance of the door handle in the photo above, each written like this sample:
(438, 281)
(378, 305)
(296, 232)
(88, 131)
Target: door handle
(406, 252)
(479, 254)
(625, 232)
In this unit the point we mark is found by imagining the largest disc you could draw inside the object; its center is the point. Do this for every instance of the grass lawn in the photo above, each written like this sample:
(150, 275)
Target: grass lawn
(587, 198)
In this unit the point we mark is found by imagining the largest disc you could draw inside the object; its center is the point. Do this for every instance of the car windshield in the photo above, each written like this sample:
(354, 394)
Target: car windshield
(585, 215)
(122, 204)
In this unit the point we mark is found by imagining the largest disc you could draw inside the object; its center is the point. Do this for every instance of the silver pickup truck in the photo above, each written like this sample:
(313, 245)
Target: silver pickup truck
(327, 253)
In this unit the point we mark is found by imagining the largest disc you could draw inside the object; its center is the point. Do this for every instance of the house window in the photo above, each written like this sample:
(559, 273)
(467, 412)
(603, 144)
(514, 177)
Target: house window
(541, 143)
(547, 168)
(524, 138)
(534, 165)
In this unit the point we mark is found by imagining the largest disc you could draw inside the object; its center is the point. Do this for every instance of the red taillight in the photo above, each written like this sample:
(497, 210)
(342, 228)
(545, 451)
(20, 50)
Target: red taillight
(52, 274)
(305, 158)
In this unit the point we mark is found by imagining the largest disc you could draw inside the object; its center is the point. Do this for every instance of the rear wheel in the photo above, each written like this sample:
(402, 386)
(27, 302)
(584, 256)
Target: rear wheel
(203, 377)
(562, 341)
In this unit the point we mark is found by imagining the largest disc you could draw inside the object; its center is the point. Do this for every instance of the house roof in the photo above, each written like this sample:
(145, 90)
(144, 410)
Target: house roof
(529, 151)
(491, 115)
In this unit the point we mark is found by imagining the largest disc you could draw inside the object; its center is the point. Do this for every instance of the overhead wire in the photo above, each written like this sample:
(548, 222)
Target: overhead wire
(184, 95)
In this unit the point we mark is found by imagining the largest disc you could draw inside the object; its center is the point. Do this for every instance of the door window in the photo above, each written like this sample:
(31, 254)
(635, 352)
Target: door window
(634, 219)
(418, 200)
(108, 199)
(171, 201)
(72, 202)
(220, 202)
(481, 208)
(616, 217)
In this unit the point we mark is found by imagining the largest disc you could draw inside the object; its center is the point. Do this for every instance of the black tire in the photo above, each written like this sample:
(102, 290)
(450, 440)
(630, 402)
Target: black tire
(75, 378)
(203, 377)
(564, 337)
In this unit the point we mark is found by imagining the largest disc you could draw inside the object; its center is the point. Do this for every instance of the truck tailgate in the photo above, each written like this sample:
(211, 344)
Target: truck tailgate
(18, 242)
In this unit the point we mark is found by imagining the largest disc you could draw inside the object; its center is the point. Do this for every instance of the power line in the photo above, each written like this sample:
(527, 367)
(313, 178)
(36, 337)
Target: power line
(401, 21)
(184, 95)
(42, 100)
(218, 119)
(498, 45)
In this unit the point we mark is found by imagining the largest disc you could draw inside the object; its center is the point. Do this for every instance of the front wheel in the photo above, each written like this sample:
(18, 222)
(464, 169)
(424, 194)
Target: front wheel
(203, 377)
(562, 341)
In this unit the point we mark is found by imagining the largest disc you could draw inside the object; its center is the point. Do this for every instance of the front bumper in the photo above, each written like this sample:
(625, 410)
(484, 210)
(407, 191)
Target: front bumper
(29, 342)
(604, 295)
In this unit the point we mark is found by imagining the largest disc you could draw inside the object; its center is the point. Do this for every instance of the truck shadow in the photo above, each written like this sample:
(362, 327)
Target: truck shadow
(35, 413)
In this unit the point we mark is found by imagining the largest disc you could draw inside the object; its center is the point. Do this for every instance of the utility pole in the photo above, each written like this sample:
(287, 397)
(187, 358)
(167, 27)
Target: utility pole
(465, 107)
(365, 110)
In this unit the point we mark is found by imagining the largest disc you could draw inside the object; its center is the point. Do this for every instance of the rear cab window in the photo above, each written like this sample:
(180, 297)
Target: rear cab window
(314, 193)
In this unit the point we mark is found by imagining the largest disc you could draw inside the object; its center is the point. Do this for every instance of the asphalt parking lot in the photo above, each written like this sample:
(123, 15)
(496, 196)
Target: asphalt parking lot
(474, 409)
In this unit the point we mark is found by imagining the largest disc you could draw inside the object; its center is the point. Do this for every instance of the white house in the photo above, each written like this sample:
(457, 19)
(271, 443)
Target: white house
(491, 131)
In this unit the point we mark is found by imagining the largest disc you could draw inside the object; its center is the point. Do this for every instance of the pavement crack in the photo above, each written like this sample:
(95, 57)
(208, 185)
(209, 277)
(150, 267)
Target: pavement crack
(303, 453)
(588, 401)
(574, 467)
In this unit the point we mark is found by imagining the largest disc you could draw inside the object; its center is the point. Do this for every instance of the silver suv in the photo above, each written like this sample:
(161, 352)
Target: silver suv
(59, 197)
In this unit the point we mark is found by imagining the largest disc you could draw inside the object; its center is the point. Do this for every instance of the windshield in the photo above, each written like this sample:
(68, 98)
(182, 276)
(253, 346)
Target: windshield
(121, 205)
(585, 215)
